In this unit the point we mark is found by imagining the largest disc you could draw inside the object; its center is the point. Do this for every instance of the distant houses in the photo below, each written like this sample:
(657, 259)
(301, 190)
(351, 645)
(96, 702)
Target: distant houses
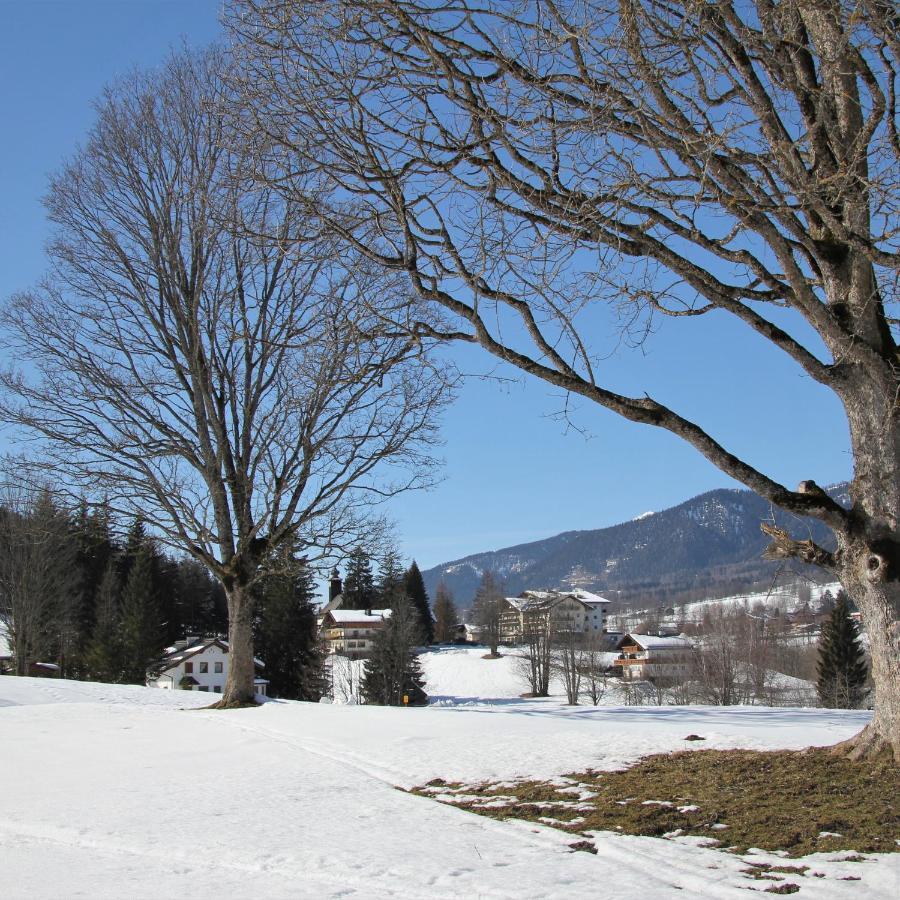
(197, 665)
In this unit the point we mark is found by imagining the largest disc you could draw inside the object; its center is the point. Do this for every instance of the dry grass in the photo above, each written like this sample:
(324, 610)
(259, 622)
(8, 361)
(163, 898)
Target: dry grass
(798, 802)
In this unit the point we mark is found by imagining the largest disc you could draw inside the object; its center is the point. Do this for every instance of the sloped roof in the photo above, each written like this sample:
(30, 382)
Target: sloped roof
(358, 616)
(175, 656)
(654, 642)
(588, 598)
(535, 600)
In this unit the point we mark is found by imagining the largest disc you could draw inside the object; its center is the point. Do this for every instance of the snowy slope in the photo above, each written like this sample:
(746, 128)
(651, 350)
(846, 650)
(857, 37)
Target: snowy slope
(108, 791)
(783, 597)
(461, 675)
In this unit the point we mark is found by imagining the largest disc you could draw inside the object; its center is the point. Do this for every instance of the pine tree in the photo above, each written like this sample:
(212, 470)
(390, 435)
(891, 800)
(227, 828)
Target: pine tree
(285, 635)
(94, 552)
(201, 609)
(142, 632)
(104, 658)
(391, 579)
(842, 669)
(446, 615)
(418, 596)
(393, 671)
(359, 583)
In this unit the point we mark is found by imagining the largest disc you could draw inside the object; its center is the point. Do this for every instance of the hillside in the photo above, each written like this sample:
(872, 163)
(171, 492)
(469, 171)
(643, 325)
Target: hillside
(707, 545)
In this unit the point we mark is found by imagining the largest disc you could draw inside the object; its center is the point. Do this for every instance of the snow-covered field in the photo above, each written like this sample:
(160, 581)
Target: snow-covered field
(129, 792)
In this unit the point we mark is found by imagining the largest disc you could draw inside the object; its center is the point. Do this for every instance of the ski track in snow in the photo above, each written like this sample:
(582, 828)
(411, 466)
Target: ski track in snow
(109, 791)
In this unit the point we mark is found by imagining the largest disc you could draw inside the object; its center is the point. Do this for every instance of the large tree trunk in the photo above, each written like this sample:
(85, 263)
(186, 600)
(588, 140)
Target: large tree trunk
(868, 557)
(239, 687)
(878, 604)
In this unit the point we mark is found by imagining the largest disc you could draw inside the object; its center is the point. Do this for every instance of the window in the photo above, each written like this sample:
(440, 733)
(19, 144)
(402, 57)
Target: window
(204, 668)
(203, 687)
(188, 668)
(217, 668)
(218, 688)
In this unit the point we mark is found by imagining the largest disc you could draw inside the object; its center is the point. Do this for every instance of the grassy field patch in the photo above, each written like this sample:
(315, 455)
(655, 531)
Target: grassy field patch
(797, 802)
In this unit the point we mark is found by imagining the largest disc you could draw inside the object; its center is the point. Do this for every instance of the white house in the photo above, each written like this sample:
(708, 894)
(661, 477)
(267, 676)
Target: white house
(576, 611)
(197, 665)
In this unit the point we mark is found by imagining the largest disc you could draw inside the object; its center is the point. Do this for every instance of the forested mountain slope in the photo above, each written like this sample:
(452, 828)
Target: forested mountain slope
(707, 544)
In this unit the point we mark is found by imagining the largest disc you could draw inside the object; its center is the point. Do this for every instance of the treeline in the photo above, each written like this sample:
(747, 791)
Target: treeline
(100, 608)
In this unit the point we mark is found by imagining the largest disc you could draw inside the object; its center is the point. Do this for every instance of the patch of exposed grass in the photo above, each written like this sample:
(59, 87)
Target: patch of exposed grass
(799, 802)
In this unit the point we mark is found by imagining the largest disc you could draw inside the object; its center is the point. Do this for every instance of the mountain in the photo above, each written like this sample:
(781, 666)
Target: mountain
(707, 544)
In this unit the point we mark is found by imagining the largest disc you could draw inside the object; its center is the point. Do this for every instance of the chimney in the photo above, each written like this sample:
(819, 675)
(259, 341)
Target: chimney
(336, 586)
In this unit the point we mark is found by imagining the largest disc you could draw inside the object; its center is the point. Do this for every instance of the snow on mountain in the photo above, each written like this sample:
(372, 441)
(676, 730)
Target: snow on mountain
(109, 791)
(710, 542)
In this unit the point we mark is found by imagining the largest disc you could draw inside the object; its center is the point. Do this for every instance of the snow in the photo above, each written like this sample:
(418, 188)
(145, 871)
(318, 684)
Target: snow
(352, 616)
(644, 515)
(111, 791)
(653, 642)
(783, 597)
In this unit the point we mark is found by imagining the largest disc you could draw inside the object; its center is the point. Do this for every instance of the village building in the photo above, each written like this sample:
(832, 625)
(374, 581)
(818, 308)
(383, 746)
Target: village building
(197, 665)
(572, 611)
(335, 597)
(351, 632)
(645, 657)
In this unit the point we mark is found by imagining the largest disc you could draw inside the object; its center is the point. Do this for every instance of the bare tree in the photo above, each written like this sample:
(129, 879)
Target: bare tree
(537, 634)
(487, 608)
(593, 666)
(524, 161)
(344, 676)
(567, 656)
(197, 358)
(721, 670)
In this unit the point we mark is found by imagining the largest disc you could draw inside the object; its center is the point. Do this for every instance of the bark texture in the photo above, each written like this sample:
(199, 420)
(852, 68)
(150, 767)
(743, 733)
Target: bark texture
(239, 686)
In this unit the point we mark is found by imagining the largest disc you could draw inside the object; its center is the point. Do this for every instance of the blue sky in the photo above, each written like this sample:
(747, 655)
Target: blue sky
(513, 473)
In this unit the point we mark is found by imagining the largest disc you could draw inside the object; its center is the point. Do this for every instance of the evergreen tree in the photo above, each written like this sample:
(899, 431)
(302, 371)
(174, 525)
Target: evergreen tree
(38, 582)
(841, 669)
(392, 671)
(418, 596)
(200, 607)
(95, 550)
(359, 583)
(446, 615)
(391, 579)
(104, 658)
(285, 635)
(135, 542)
(142, 632)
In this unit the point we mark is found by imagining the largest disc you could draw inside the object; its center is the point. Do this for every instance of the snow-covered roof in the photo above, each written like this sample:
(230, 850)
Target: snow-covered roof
(174, 656)
(540, 599)
(588, 598)
(358, 616)
(654, 642)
